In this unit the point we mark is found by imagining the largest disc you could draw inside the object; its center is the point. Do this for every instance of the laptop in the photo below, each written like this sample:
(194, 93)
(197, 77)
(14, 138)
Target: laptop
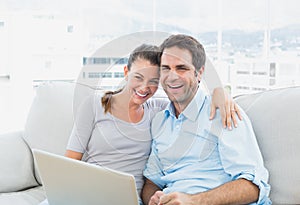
(68, 181)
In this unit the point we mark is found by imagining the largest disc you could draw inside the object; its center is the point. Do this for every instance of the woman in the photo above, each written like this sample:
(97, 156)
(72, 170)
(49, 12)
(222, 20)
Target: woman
(113, 130)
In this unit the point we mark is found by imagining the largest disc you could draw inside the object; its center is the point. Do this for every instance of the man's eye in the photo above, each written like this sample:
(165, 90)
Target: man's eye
(165, 68)
(182, 68)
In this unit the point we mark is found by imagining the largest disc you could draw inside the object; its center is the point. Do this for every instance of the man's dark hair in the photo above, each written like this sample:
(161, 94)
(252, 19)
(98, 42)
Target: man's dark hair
(189, 43)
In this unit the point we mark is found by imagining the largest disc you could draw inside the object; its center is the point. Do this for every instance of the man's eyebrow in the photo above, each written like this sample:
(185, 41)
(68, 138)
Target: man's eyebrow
(182, 66)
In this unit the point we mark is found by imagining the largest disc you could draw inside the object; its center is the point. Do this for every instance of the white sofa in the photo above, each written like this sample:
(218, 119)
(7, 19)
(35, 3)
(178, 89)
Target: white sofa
(275, 116)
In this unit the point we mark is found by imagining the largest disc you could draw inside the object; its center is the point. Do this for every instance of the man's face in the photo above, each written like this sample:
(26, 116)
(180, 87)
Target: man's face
(178, 76)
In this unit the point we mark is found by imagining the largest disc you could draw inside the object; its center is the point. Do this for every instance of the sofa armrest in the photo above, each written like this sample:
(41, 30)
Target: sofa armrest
(275, 117)
(16, 160)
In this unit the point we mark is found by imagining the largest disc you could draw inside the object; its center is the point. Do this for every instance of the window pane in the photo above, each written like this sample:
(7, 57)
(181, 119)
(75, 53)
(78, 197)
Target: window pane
(285, 42)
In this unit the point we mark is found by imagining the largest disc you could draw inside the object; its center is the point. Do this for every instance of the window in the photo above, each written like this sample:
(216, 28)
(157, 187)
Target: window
(243, 87)
(121, 61)
(259, 73)
(101, 61)
(242, 72)
(272, 70)
(118, 75)
(258, 89)
(99, 75)
(253, 44)
(70, 28)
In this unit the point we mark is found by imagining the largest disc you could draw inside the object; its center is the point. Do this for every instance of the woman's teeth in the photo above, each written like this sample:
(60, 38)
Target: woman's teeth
(141, 95)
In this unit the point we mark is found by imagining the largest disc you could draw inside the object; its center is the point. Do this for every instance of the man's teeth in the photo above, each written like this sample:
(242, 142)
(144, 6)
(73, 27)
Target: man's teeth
(141, 95)
(174, 86)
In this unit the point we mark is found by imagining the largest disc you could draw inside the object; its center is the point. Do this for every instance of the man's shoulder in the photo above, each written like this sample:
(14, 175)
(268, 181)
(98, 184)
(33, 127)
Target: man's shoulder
(157, 122)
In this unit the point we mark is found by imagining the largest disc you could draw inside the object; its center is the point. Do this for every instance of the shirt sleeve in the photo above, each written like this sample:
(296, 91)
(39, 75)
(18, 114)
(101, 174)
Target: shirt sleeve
(83, 125)
(241, 157)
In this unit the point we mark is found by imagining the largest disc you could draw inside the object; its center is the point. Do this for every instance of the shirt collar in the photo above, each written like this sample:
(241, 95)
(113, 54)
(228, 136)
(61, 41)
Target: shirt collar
(192, 110)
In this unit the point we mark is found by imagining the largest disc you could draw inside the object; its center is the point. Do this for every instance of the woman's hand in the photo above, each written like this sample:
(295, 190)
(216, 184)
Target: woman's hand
(228, 108)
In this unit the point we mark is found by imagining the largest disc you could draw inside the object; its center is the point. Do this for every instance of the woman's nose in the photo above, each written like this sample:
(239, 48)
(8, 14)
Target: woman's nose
(145, 86)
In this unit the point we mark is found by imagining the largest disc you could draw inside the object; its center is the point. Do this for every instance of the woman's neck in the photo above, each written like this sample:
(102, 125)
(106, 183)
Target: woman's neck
(125, 109)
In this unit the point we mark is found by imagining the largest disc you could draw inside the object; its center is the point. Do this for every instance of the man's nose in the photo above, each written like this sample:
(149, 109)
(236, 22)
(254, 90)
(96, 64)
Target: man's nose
(173, 75)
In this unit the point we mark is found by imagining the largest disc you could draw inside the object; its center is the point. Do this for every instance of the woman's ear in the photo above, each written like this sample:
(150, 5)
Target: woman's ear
(126, 72)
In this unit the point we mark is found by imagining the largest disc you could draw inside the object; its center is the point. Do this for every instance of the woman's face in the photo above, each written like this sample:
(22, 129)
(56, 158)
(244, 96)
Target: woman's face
(143, 80)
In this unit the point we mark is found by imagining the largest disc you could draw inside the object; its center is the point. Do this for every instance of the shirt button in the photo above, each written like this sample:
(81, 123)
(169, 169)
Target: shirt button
(177, 126)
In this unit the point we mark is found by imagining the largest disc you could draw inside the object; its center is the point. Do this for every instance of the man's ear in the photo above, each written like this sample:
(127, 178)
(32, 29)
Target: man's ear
(126, 72)
(200, 73)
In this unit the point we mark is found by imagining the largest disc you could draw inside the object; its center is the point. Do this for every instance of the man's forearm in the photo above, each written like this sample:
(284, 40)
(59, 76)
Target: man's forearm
(148, 191)
(240, 191)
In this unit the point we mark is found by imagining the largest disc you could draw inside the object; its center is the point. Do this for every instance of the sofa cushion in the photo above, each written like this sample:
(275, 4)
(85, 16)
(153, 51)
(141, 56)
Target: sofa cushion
(50, 118)
(275, 116)
(16, 172)
(31, 196)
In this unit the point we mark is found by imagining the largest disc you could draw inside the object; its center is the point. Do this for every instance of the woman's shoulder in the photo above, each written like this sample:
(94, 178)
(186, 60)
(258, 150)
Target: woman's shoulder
(91, 101)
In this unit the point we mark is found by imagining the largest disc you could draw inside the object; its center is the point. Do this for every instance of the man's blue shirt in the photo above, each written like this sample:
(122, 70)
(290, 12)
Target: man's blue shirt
(193, 154)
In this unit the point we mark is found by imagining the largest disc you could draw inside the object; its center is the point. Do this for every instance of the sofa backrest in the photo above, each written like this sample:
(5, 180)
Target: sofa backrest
(50, 119)
(275, 116)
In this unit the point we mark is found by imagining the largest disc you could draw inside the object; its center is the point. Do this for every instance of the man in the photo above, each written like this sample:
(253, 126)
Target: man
(194, 160)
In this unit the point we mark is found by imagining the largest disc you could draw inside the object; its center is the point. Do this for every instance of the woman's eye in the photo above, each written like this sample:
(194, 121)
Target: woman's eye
(154, 82)
(138, 77)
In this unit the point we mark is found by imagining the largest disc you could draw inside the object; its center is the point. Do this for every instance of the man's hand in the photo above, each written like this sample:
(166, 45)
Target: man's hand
(154, 200)
(228, 108)
(176, 198)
